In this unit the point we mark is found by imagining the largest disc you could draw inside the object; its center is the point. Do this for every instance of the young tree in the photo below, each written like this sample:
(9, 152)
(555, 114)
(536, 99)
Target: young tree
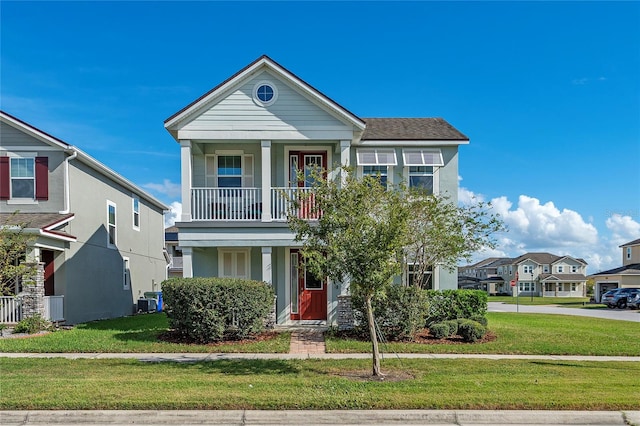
(354, 229)
(14, 242)
(358, 236)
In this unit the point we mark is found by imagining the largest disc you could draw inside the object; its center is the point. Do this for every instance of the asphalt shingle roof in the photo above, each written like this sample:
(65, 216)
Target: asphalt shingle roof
(410, 129)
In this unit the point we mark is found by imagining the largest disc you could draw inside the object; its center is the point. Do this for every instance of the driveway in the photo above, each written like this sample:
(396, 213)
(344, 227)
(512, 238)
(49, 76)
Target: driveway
(614, 314)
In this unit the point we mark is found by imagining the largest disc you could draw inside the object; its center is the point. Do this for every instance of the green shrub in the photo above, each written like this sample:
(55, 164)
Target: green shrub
(480, 318)
(453, 304)
(212, 309)
(453, 327)
(440, 330)
(399, 312)
(32, 325)
(471, 331)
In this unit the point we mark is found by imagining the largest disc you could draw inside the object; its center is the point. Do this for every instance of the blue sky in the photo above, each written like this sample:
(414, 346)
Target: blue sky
(548, 92)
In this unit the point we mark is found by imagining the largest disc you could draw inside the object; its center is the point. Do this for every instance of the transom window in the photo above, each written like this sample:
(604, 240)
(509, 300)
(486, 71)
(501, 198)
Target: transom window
(23, 180)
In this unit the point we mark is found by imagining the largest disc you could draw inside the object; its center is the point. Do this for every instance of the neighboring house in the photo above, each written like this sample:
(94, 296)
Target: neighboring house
(242, 145)
(174, 252)
(98, 236)
(628, 275)
(537, 274)
(485, 273)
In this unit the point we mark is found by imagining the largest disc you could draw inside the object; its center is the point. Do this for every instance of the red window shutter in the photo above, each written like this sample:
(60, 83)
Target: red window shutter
(42, 178)
(5, 178)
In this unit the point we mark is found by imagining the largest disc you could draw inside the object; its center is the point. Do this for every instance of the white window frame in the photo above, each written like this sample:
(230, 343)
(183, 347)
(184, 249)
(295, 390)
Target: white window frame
(114, 225)
(527, 269)
(381, 157)
(545, 269)
(574, 286)
(560, 269)
(628, 253)
(408, 174)
(22, 156)
(126, 273)
(234, 253)
(247, 165)
(574, 269)
(409, 272)
(135, 213)
(260, 102)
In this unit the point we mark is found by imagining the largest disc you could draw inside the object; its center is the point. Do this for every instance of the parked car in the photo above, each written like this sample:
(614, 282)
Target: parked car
(619, 297)
(634, 302)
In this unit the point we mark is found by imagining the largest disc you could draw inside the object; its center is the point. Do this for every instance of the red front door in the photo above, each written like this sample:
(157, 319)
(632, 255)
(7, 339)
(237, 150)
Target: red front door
(47, 258)
(308, 293)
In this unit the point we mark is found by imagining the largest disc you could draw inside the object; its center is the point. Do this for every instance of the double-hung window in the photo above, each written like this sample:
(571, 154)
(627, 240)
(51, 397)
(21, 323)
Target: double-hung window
(376, 162)
(136, 213)
(23, 178)
(229, 171)
(419, 167)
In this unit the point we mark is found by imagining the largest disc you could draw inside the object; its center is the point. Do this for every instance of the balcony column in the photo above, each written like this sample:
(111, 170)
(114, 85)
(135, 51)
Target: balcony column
(187, 262)
(185, 177)
(345, 158)
(267, 274)
(266, 181)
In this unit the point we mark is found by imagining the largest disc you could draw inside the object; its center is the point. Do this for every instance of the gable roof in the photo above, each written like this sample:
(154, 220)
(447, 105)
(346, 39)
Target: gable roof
(262, 63)
(632, 243)
(82, 156)
(42, 223)
(539, 258)
(398, 129)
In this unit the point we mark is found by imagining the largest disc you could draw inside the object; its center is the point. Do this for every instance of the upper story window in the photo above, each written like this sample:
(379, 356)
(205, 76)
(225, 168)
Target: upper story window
(24, 178)
(136, 213)
(230, 171)
(574, 268)
(421, 177)
(628, 252)
(379, 172)
(111, 225)
(545, 269)
(265, 93)
(527, 269)
(376, 162)
(560, 269)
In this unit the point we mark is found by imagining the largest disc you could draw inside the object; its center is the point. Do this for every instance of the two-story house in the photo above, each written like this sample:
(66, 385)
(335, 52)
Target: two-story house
(98, 237)
(485, 274)
(243, 145)
(627, 275)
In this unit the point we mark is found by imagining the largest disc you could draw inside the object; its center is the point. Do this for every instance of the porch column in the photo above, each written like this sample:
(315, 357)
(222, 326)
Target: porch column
(267, 270)
(266, 182)
(187, 262)
(185, 177)
(345, 158)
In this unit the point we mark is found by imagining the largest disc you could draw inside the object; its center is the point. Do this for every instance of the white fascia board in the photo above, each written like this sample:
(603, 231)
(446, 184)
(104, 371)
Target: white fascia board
(274, 135)
(98, 166)
(263, 63)
(416, 143)
(56, 236)
(61, 222)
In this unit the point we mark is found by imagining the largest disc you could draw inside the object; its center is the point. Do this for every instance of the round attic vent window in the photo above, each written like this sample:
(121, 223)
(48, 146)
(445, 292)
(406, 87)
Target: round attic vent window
(265, 93)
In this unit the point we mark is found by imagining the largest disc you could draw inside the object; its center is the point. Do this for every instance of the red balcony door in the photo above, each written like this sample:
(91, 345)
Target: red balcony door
(308, 293)
(305, 161)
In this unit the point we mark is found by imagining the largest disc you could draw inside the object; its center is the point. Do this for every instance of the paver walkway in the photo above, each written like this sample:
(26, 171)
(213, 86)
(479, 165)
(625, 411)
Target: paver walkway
(307, 341)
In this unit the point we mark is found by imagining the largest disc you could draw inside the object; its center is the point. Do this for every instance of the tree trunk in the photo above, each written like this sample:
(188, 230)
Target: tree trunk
(374, 339)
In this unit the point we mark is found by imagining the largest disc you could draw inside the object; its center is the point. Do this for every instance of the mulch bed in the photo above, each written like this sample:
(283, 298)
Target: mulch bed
(424, 337)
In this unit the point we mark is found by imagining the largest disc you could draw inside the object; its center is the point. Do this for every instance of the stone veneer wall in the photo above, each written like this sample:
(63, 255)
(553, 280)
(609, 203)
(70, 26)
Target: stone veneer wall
(32, 294)
(345, 313)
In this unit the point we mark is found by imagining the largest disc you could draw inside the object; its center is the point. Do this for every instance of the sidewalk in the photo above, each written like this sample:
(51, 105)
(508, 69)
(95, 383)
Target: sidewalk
(328, 417)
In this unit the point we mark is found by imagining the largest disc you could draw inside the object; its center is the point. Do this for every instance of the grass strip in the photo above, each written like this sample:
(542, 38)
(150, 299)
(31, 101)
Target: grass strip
(57, 384)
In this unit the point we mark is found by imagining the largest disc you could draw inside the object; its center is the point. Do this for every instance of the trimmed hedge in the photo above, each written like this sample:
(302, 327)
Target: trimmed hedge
(399, 312)
(213, 309)
(453, 304)
(471, 331)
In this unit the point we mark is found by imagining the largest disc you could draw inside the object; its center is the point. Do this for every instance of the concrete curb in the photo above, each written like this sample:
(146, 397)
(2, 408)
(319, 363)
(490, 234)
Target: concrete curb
(309, 417)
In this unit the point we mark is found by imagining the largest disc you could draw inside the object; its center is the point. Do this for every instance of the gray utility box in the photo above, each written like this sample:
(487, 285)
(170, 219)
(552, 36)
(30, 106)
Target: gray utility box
(147, 305)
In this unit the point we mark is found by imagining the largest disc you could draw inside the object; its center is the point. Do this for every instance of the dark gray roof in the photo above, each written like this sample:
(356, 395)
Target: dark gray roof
(631, 243)
(631, 269)
(493, 280)
(44, 221)
(410, 129)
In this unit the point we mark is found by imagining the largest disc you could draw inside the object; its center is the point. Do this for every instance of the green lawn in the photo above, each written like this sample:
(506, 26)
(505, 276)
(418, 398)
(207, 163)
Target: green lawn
(37, 384)
(535, 334)
(137, 333)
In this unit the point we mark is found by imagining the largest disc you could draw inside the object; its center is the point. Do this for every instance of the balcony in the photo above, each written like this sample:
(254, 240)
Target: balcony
(246, 204)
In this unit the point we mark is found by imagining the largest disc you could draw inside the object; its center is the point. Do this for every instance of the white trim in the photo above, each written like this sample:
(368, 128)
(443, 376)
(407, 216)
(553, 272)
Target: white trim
(382, 157)
(126, 273)
(306, 148)
(115, 225)
(426, 157)
(247, 263)
(424, 143)
(259, 101)
(133, 212)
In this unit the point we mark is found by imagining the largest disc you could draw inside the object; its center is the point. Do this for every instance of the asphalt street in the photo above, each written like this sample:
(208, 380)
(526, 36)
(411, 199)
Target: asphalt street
(614, 314)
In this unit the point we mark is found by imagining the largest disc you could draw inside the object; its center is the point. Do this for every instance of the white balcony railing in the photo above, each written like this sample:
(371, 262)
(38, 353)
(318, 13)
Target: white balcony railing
(226, 204)
(10, 310)
(235, 204)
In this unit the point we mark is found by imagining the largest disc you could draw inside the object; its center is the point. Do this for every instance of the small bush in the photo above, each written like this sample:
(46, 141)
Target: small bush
(453, 304)
(453, 327)
(32, 325)
(440, 330)
(399, 312)
(471, 331)
(480, 318)
(213, 309)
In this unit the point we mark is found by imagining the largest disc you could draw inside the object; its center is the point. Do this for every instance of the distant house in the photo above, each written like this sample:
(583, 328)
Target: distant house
(98, 237)
(485, 276)
(627, 275)
(537, 274)
(243, 146)
(174, 252)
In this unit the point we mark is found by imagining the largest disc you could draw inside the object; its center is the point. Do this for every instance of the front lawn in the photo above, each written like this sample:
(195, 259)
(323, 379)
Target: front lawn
(57, 384)
(565, 302)
(533, 334)
(139, 333)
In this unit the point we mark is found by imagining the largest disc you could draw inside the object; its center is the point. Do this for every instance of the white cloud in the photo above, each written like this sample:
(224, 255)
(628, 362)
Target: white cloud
(175, 210)
(167, 188)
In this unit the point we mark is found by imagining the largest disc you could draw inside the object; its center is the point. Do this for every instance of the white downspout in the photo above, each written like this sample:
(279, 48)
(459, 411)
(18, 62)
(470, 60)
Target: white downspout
(67, 197)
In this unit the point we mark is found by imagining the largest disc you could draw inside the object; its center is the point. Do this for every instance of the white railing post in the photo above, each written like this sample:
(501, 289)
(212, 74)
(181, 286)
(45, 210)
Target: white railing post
(266, 180)
(185, 165)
